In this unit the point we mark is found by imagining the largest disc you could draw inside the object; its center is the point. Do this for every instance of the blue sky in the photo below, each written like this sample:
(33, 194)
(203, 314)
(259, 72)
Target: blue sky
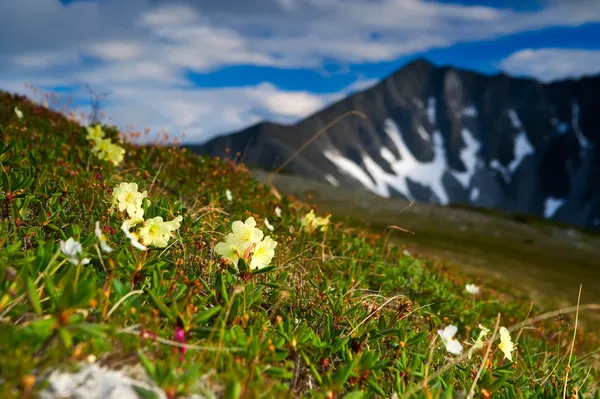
(207, 67)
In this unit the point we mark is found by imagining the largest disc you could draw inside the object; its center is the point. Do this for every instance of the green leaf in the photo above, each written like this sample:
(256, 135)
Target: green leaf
(98, 330)
(354, 395)
(148, 365)
(161, 305)
(264, 270)
(207, 314)
(33, 296)
(66, 338)
(242, 266)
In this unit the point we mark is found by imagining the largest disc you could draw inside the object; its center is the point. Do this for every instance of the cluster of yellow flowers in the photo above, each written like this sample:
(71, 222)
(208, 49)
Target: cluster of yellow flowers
(246, 242)
(310, 222)
(104, 148)
(155, 231)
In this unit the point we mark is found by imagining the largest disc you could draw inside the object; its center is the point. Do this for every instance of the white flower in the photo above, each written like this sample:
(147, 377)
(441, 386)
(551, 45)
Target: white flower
(72, 250)
(278, 211)
(263, 253)
(126, 226)
(128, 198)
(406, 252)
(479, 342)
(269, 225)
(19, 113)
(506, 344)
(228, 195)
(447, 335)
(472, 289)
(101, 238)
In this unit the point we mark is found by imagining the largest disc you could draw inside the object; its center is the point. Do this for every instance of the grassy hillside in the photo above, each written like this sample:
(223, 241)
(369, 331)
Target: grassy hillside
(543, 259)
(330, 311)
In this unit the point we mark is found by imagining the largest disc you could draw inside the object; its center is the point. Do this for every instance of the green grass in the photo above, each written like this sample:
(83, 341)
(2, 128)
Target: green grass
(340, 314)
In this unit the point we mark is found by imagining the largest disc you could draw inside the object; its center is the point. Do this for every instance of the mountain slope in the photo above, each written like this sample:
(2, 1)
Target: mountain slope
(443, 135)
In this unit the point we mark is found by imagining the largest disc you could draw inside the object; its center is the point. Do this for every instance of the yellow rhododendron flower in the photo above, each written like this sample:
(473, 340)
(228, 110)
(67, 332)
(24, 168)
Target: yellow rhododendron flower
(263, 253)
(101, 147)
(95, 133)
(244, 240)
(231, 249)
(506, 344)
(310, 222)
(114, 153)
(156, 232)
(133, 237)
(247, 232)
(128, 198)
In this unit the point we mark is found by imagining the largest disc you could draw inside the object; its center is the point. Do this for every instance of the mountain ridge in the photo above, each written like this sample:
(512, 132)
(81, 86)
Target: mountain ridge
(447, 135)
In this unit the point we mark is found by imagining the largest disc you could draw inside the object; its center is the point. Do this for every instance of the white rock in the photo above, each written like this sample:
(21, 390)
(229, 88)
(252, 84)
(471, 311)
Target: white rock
(94, 382)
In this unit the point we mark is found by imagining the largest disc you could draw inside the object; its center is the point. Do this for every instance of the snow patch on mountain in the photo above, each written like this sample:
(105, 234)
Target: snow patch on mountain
(332, 180)
(428, 174)
(418, 102)
(551, 205)
(522, 145)
(431, 110)
(504, 172)
(514, 119)
(468, 156)
(423, 133)
(522, 148)
(470, 111)
(583, 141)
(474, 194)
(351, 169)
(561, 127)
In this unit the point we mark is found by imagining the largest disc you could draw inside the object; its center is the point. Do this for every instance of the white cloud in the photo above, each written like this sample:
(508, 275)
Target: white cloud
(174, 14)
(549, 64)
(46, 59)
(116, 50)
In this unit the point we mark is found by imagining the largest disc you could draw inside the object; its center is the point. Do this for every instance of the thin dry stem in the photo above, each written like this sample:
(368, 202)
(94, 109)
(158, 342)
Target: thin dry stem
(572, 343)
(313, 138)
(485, 358)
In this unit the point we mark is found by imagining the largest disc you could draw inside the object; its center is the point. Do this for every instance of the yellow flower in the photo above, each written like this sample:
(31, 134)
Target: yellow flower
(310, 222)
(247, 232)
(156, 232)
(263, 253)
(114, 153)
(95, 133)
(128, 198)
(231, 249)
(246, 239)
(506, 344)
(126, 226)
(101, 147)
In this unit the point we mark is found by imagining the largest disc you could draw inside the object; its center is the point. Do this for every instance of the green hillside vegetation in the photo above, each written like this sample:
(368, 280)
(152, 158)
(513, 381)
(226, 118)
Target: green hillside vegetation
(182, 275)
